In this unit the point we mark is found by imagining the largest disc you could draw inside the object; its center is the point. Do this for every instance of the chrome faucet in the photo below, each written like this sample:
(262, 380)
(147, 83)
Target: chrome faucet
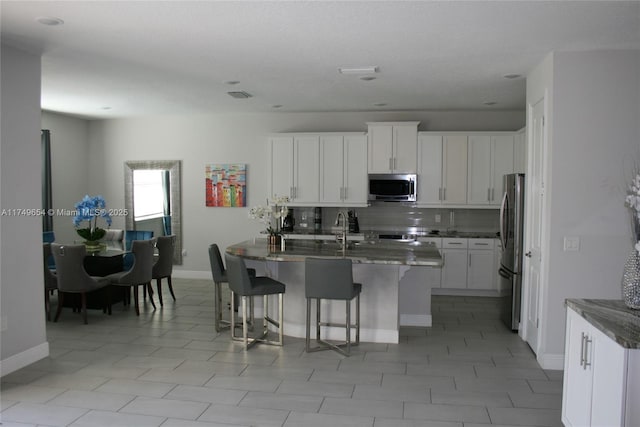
(342, 239)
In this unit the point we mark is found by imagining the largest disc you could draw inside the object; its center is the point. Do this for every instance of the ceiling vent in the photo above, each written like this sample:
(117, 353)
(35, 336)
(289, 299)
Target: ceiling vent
(240, 94)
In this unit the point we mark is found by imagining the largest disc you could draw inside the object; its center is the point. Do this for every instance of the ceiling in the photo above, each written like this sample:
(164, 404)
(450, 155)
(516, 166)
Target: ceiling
(128, 58)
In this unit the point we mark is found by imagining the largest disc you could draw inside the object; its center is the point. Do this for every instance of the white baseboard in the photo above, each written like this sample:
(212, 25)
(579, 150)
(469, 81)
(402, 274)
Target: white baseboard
(424, 320)
(25, 358)
(551, 361)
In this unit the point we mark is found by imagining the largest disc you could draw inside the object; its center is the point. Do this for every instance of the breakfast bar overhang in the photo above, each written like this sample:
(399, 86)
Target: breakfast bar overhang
(396, 283)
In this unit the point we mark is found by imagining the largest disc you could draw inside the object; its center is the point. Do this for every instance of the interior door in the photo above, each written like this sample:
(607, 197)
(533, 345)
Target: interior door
(534, 204)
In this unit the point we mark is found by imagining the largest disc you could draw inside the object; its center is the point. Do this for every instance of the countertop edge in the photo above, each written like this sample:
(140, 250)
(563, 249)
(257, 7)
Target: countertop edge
(610, 317)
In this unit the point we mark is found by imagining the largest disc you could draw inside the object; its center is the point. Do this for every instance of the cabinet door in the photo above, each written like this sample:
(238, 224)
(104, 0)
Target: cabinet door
(454, 270)
(520, 152)
(430, 169)
(405, 148)
(454, 170)
(332, 166)
(306, 169)
(380, 148)
(576, 392)
(479, 170)
(281, 172)
(609, 364)
(480, 274)
(501, 164)
(355, 184)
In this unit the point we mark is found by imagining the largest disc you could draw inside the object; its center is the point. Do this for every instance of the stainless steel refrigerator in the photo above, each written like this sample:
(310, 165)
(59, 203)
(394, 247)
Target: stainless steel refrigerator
(511, 236)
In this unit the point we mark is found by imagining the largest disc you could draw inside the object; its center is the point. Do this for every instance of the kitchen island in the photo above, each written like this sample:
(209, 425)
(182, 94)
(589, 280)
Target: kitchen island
(385, 269)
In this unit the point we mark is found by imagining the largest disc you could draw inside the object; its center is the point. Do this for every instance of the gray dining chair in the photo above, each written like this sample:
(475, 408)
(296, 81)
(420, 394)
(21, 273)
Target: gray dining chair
(163, 267)
(246, 286)
(331, 279)
(140, 274)
(219, 274)
(50, 279)
(72, 278)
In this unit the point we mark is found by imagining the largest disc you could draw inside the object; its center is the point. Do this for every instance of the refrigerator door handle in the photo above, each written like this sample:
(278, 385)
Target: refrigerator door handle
(503, 221)
(504, 273)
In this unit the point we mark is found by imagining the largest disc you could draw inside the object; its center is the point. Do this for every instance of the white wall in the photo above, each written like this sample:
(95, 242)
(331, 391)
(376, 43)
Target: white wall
(69, 162)
(23, 338)
(204, 139)
(594, 142)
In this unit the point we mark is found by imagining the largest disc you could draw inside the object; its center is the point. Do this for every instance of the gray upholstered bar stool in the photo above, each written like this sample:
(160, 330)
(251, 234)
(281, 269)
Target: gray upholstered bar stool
(219, 274)
(244, 285)
(331, 279)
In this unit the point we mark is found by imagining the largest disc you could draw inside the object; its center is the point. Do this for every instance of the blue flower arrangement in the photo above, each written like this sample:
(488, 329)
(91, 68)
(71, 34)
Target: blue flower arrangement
(90, 209)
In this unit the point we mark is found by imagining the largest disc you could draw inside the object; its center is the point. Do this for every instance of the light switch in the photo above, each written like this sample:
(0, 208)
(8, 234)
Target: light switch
(571, 244)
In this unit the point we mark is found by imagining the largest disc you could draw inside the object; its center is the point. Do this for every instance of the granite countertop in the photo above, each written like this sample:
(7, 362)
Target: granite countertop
(364, 252)
(612, 317)
(330, 232)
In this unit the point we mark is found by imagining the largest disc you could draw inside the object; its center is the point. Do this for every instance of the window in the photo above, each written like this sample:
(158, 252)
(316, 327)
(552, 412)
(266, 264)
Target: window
(148, 194)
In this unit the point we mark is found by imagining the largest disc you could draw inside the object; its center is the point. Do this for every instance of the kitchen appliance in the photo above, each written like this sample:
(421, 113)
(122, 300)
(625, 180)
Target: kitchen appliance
(511, 237)
(389, 187)
(354, 227)
(288, 222)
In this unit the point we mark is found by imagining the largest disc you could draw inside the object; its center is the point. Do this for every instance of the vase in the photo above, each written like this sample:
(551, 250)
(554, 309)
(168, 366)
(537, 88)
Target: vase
(274, 241)
(93, 245)
(631, 281)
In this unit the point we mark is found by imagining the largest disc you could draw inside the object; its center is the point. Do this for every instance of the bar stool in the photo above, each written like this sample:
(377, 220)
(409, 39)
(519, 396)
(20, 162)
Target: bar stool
(219, 274)
(331, 279)
(244, 285)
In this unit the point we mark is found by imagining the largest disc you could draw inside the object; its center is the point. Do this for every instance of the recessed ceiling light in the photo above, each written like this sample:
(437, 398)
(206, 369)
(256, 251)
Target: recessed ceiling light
(358, 70)
(512, 76)
(489, 103)
(380, 104)
(232, 82)
(240, 94)
(51, 21)
(105, 108)
(367, 78)
(276, 106)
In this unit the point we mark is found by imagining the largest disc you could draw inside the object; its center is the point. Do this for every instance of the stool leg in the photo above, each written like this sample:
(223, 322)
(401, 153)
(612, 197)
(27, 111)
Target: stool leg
(281, 318)
(245, 329)
(218, 305)
(233, 317)
(265, 314)
(307, 345)
(358, 319)
(171, 288)
(348, 327)
(317, 319)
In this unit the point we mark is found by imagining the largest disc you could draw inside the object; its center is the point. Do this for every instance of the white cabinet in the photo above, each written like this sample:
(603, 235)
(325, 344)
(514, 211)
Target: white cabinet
(392, 147)
(454, 268)
(595, 377)
(343, 170)
(520, 151)
(481, 270)
(490, 157)
(442, 169)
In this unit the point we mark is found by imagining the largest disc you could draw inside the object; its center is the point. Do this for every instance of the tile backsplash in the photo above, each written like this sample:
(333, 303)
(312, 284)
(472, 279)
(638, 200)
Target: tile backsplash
(403, 218)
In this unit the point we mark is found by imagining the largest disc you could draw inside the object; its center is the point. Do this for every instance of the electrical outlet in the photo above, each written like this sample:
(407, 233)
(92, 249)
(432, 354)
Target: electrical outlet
(438, 218)
(571, 244)
(184, 252)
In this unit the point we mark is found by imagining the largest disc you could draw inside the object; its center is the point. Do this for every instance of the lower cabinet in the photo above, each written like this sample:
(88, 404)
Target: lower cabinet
(597, 371)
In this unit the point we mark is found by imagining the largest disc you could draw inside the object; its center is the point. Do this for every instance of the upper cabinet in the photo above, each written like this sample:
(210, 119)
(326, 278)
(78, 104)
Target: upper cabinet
(490, 157)
(319, 169)
(393, 147)
(343, 170)
(520, 151)
(295, 168)
(442, 169)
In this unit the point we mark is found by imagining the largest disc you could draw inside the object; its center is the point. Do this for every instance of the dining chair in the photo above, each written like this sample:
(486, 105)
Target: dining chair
(140, 273)
(49, 237)
(114, 238)
(129, 237)
(246, 286)
(50, 279)
(163, 267)
(72, 278)
(331, 279)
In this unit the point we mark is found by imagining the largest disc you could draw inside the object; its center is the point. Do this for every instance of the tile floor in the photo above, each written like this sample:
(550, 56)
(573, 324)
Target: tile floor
(169, 368)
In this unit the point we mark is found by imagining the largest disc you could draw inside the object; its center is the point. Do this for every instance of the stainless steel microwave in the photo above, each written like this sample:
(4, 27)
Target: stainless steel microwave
(388, 187)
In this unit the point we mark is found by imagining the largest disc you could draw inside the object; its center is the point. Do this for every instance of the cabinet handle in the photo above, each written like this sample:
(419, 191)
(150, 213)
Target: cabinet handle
(582, 350)
(291, 192)
(480, 244)
(390, 163)
(587, 341)
(488, 194)
(440, 193)
(395, 163)
(444, 193)
(493, 194)
(455, 243)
